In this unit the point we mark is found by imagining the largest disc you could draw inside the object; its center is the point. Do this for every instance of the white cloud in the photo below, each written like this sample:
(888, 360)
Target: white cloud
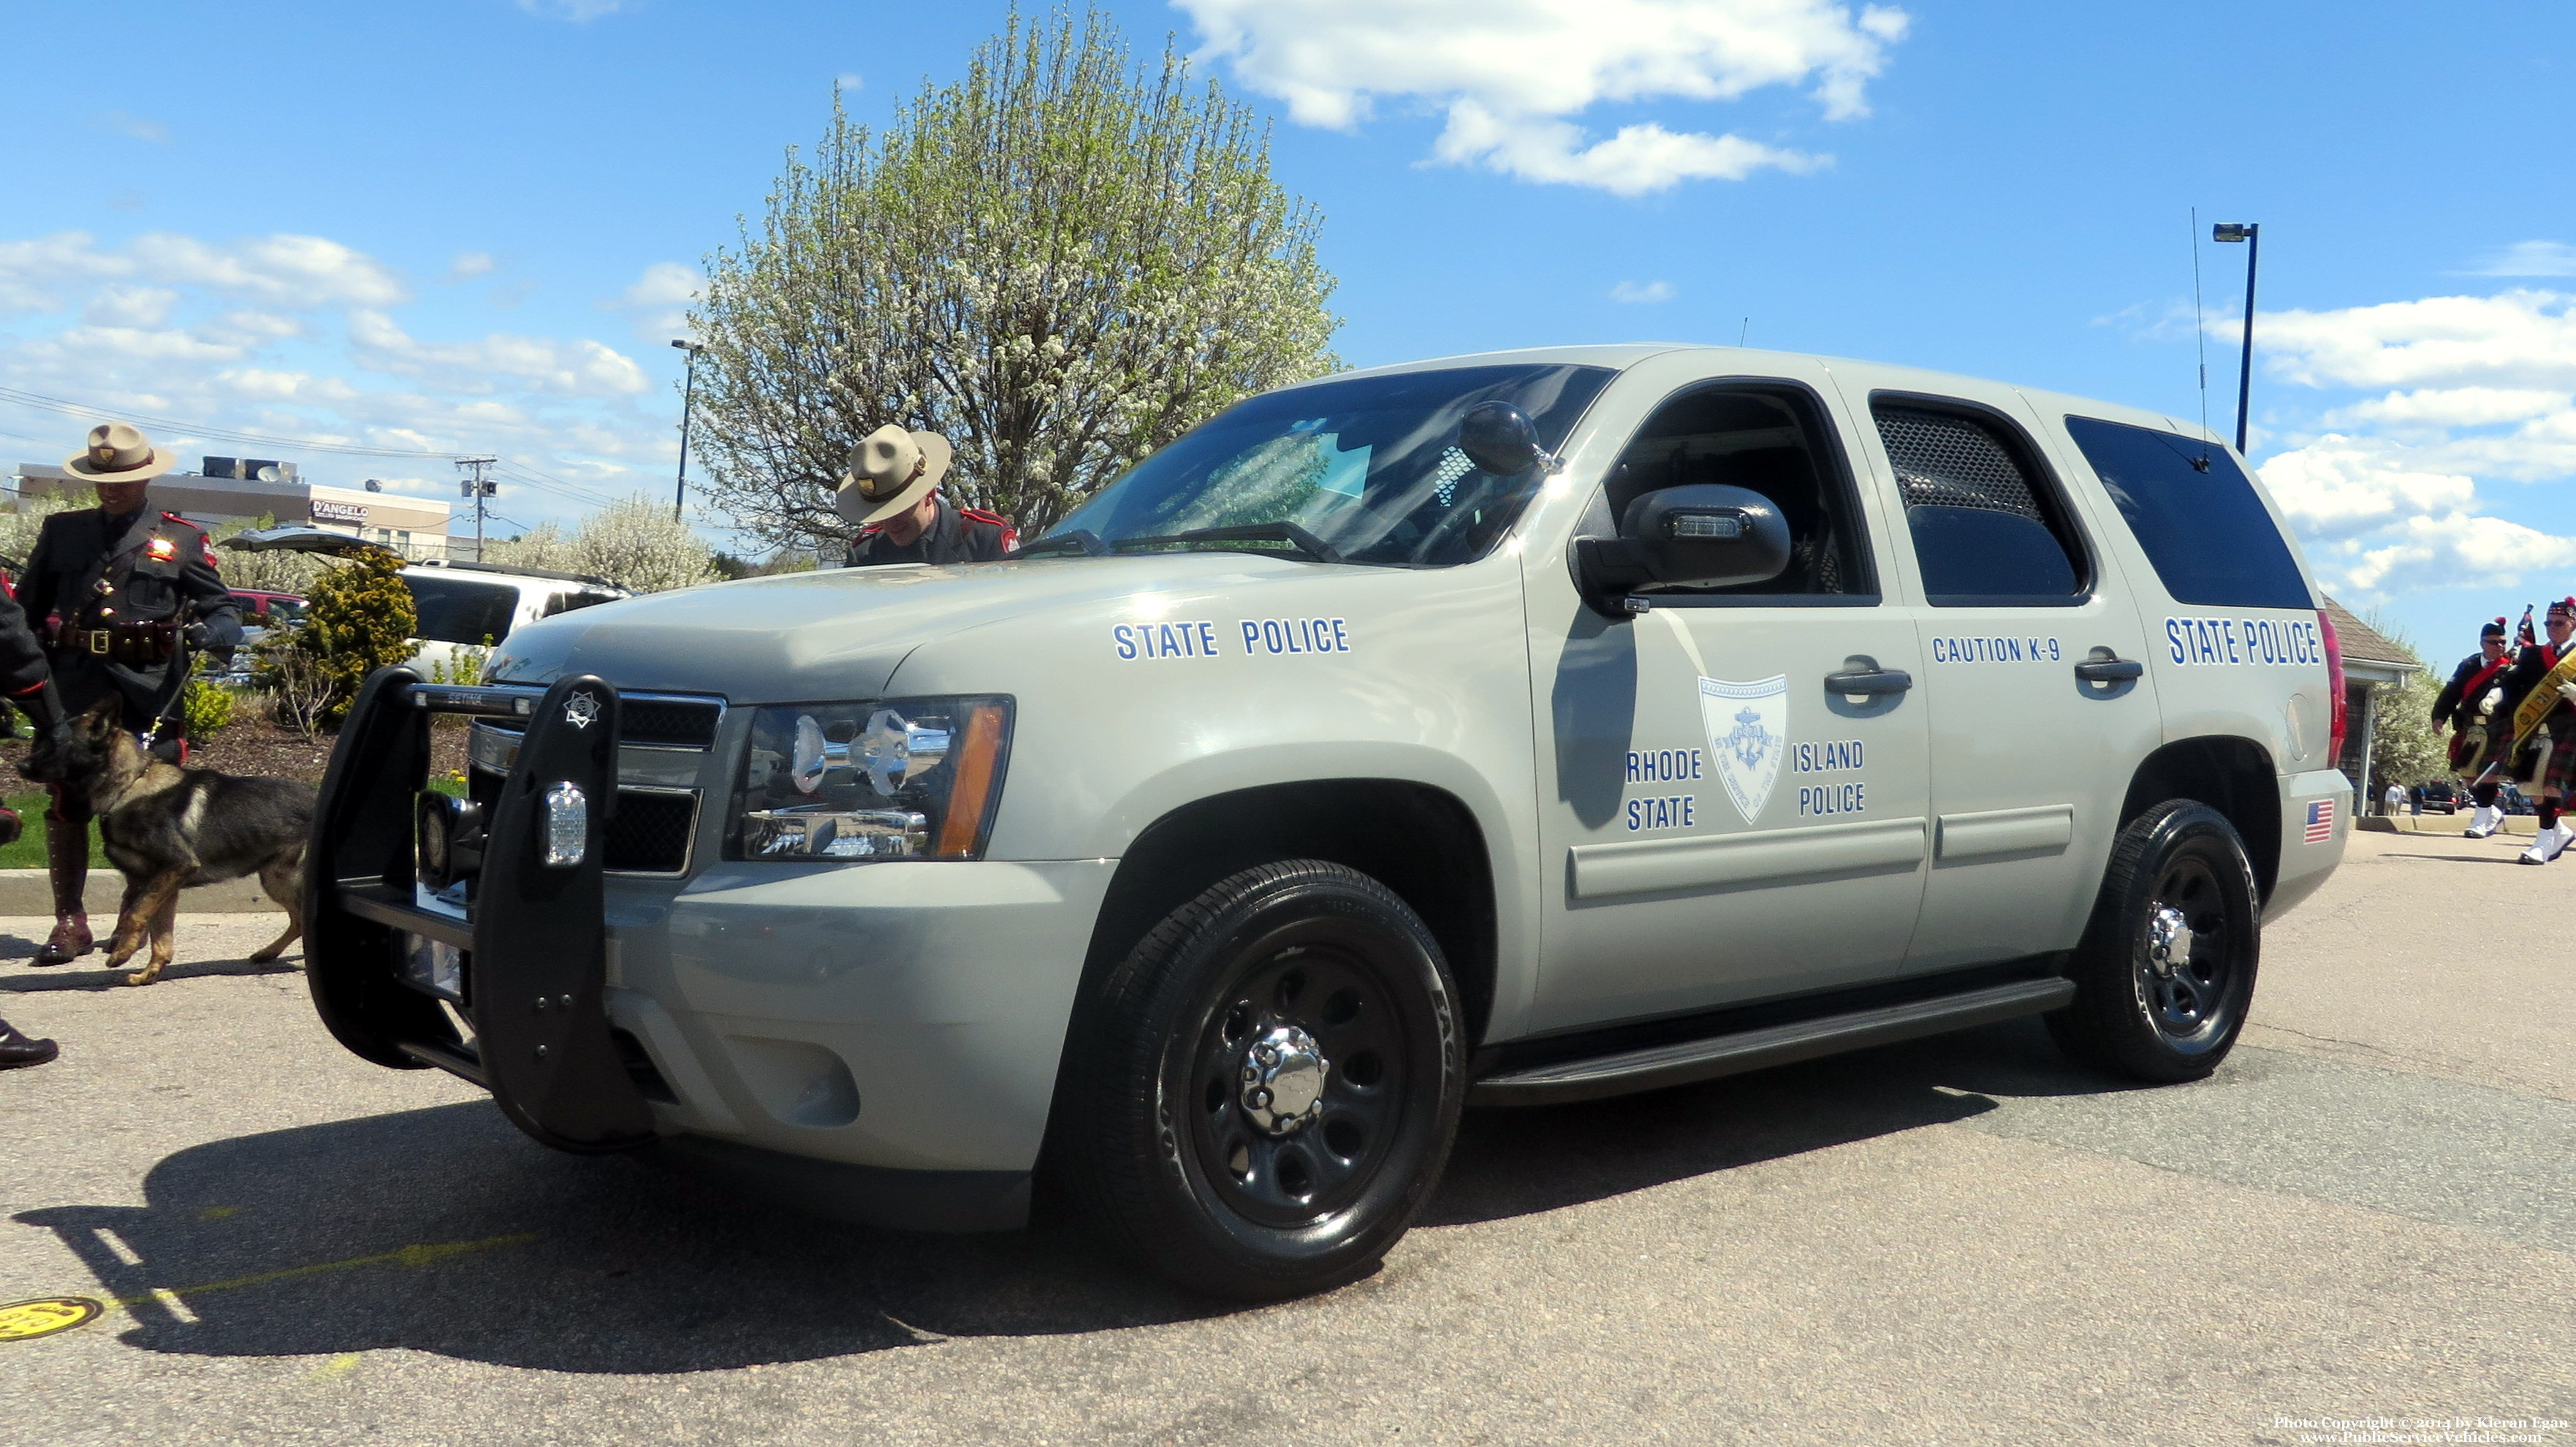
(848, 81)
(2529, 258)
(1513, 74)
(570, 369)
(575, 11)
(135, 126)
(2338, 487)
(130, 306)
(2519, 338)
(659, 301)
(468, 265)
(291, 271)
(2455, 549)
(1649, 292)
(2447, 407)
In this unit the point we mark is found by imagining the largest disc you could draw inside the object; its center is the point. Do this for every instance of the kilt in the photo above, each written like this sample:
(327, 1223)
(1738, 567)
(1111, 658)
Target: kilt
(2548, 762)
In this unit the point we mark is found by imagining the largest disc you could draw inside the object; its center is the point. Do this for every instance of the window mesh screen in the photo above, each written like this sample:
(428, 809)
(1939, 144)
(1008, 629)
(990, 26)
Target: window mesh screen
(1943, 460)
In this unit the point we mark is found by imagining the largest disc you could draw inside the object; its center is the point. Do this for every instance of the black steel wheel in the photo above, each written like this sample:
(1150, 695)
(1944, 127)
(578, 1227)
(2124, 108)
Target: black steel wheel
(1266, 1088)
(2165, 973)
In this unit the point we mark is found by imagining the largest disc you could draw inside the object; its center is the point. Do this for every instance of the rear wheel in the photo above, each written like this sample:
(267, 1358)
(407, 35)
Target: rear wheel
(2165, 972)
(1266, 1090)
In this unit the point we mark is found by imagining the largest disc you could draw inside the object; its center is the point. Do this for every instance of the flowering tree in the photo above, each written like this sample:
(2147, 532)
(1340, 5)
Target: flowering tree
(1060, 262)
(635, 544)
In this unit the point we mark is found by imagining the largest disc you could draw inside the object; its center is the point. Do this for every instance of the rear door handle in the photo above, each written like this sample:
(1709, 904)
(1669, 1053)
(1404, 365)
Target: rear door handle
(2110, 670)
(1869, 681)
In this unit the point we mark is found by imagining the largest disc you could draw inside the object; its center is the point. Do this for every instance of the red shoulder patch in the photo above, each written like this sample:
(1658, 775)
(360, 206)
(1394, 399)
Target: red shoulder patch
(1010, 530)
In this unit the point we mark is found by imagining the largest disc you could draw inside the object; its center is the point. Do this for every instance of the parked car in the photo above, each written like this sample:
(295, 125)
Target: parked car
(2440, 797)
(466, 606)
(1504, 730)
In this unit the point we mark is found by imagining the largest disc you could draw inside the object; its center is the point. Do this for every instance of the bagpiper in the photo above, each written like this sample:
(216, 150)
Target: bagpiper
(116, 590)
(2539, 736)
(2469, 704)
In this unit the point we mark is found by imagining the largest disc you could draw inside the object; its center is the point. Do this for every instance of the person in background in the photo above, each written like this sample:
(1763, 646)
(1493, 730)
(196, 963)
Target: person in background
(2469, 704)
(2393, 803)
(124, 586)
(2540, 688)
(892, 492)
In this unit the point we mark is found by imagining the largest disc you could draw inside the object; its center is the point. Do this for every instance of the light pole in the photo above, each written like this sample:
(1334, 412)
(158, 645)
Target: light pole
(688, 409)
(2252, 235)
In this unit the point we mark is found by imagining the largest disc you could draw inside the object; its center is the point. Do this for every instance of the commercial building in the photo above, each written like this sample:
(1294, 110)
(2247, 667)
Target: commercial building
(233, 489)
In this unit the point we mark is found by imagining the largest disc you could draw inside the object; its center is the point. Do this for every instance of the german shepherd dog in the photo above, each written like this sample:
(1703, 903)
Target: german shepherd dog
(166, 828)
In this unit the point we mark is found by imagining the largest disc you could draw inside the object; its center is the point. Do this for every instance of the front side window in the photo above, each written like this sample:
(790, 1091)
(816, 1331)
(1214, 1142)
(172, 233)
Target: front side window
(1774, 441)
(1987, 524)
(1369, 467)
(2195, 514)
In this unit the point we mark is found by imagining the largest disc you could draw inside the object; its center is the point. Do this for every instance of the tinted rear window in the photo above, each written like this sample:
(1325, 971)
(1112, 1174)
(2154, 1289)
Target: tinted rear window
(461, 610)
(2206, 532)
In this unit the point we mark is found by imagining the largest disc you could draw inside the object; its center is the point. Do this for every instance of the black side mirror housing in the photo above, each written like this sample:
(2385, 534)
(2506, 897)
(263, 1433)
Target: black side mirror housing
(1705, 535)
(1500, 439)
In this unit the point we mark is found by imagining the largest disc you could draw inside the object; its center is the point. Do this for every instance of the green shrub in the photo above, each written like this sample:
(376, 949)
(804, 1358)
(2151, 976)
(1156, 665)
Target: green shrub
(207, 706)
(358, 618)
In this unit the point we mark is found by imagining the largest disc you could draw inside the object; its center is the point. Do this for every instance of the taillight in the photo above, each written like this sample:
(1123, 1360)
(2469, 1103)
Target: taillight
(2334, 680)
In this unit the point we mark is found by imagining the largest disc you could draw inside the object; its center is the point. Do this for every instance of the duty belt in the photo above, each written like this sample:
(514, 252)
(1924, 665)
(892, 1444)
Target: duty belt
(136, 645)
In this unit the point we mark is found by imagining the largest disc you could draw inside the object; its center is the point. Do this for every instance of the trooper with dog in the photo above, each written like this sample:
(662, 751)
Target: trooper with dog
(892, 492)
(122, 594)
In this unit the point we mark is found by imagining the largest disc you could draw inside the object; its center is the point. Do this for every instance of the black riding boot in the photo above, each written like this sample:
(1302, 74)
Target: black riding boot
(67, 863)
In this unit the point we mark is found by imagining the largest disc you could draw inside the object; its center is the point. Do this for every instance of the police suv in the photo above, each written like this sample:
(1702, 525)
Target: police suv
(1502, 730)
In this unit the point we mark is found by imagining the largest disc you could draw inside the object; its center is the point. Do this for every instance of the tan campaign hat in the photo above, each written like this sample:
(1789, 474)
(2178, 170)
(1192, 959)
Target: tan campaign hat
(119, 452)
(891, 470)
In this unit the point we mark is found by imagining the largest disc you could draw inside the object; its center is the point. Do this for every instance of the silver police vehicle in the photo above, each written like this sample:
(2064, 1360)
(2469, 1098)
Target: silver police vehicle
(1501, 730)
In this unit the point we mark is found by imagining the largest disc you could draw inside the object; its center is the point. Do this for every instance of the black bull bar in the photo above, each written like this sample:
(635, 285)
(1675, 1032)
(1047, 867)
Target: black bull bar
(536, 936)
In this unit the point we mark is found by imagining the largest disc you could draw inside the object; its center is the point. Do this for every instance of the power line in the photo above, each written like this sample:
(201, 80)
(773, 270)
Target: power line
(41, 402)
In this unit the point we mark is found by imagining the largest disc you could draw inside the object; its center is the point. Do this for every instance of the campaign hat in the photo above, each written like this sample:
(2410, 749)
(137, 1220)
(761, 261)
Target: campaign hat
(890, 470)
(118, 452)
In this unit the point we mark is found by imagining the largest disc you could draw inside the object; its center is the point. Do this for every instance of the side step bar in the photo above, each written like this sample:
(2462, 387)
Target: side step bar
(1660, 1066)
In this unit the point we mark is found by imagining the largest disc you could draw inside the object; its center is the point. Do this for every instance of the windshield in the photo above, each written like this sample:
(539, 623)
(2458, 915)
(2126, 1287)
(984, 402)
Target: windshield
(461, 610)
(1369, 467)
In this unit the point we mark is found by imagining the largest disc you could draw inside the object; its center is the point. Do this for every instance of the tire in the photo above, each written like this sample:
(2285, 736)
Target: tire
(1166, 1135)
(2138, 1011)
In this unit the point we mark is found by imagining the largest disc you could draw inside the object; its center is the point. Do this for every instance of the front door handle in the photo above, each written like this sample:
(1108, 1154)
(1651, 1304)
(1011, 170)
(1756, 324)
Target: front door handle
(1853, 681)
(2110, 670)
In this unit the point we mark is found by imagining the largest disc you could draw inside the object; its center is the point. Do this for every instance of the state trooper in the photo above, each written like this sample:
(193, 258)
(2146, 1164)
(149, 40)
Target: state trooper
(892, 492)
(120, 593)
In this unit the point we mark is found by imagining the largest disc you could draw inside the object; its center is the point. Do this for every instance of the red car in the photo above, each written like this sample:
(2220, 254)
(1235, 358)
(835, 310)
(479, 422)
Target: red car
(261, 609)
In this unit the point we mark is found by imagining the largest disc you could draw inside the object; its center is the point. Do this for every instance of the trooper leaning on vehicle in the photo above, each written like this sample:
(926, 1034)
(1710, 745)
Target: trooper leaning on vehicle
(125, 587)
(892, 492)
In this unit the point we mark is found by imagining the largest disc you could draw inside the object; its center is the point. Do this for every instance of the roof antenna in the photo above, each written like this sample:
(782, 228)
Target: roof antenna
(2200, 338)
(1742, 331)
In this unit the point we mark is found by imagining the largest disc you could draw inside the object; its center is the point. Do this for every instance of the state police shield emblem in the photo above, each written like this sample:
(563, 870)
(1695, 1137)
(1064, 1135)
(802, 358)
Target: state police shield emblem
(1748, 731)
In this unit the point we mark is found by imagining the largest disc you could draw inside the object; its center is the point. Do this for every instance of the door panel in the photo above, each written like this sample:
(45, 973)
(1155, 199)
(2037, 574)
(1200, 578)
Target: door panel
(2031, 758)
(1729, 828)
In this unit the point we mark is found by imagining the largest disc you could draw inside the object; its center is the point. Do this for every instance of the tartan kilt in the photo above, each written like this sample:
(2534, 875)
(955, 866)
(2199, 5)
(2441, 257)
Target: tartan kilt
(2549, 760)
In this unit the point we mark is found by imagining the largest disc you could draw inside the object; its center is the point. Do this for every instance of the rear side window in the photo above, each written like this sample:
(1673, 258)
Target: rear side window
(1988, 527)
(2196, 515)
(461, 610)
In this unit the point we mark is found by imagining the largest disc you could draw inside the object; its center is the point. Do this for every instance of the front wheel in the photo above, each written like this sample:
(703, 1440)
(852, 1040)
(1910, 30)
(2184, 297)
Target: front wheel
(2165, 973)
(1266, 1089)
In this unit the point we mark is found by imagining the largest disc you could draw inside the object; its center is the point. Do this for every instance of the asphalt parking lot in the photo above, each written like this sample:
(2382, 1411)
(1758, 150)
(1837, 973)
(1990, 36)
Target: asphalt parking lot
(2366, 1216)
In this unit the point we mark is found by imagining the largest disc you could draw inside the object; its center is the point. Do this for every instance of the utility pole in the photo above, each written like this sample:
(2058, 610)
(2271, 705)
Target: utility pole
(688, 409)
(478, 487)
(2252, 235)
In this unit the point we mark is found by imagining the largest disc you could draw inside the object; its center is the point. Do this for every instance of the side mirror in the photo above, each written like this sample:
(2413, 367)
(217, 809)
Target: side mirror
(1705, 535)
(1500, 439)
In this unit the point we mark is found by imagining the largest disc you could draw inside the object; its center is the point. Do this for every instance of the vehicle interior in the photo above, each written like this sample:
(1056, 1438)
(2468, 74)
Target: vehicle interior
(1771, 441)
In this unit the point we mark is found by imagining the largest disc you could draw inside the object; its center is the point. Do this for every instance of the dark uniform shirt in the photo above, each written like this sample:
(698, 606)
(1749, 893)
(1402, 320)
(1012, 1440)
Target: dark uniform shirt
(92, 571)
(2457, 703)
(955, 535)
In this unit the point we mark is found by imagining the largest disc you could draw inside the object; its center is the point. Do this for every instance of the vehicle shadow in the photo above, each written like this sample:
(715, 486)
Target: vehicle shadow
(1517, 1162)
(444, 1230)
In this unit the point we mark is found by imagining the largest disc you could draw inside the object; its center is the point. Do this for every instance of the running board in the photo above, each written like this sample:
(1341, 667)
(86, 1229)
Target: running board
(1660, 1066)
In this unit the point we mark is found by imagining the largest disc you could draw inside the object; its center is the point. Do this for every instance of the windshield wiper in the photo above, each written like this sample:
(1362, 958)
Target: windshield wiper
(1081, 540)
(1289, 533)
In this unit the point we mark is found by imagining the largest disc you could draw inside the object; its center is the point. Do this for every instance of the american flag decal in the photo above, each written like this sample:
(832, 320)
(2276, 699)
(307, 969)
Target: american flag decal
(2321, 821)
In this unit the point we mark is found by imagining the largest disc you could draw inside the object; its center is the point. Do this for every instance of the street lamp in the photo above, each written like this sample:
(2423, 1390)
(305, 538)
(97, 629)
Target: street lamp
(688, 409)
(2252, 236)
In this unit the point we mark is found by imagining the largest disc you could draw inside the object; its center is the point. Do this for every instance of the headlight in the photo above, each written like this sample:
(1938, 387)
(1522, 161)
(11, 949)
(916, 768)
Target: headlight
(907, 778)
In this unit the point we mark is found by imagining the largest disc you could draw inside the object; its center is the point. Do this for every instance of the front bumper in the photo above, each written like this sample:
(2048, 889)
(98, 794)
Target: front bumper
(894, 1027)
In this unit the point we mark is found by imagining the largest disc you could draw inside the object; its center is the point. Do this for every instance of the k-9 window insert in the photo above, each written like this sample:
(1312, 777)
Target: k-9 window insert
(1990, 523)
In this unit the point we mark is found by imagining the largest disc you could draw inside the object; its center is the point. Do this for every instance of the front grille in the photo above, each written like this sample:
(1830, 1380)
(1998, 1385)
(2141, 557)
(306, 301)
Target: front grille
(650, 834)
(671, 723)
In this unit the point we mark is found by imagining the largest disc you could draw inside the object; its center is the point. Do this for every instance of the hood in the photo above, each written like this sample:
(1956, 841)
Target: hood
(840, 632)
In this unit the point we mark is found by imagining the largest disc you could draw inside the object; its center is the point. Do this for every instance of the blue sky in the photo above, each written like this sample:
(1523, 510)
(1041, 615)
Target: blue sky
(470, 226)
